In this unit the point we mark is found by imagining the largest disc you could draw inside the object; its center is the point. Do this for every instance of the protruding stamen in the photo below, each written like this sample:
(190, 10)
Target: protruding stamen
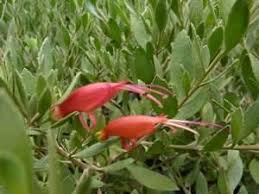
(84, 122)
(161, 88)
(151, 90)
(168, 123)
(199, 123)
(144, 92)
(152, 98)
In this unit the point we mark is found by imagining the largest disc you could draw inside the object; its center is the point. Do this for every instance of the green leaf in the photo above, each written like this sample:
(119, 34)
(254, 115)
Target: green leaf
(45, 58)
(96, 148)
(139, 31)
(114, 31)
(4, 86)
(151, 179)
(64, 36)
(20, 107)
(254, 169)
(235, 169)
(29, 81)
(186, 82)
(54, 183)
(143, 67)
(63, 120)
(196, 11)
(180, 62)
(161, 15)
(41, 85)
(175, 7)
(84, 184)
(248, 76)
(180, 47)
(37, 188)
(237, 124)
(169, 104)
(13, 138)
(223, 183)
(252, 34)
(96, 183)
(33, 106)
(44, 101)
(118, 165)
(242, 190)
(206, 58)
(20, 87)
(238, 20)
(225, 8)
(193, 105)
(215, 41)
(21, 90)
(255, 66)
(68, 181)
(70, 87)
(13, 174)
(92, 9)
(201, 186)
(251, 119)
(157, 148)
(134, 192)
(217, 141)
(192, 176)
(200, 30)
(85, 19)
(200, 55)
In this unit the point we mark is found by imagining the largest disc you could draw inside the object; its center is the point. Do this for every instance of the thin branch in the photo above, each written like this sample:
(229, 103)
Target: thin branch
(252, 148)
(76, 162)
(198, 84)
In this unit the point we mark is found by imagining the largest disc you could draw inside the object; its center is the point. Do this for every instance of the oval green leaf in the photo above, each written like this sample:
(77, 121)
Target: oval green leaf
(248, 75)
(237, 124)
(118, 165)
(254, 169)
(215, 41)
(217, 141)
(161, 15)
(201, 186)
(70, 87)
(13, 138)
(144, 69)
(251, 119)
(193, 105)
(44, 101)
(139, 31)
(96, 148)
(237, 23)
(151, 179)
(12, 174)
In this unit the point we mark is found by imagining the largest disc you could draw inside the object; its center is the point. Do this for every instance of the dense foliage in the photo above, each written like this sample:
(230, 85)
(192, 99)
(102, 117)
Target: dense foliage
(205, 51)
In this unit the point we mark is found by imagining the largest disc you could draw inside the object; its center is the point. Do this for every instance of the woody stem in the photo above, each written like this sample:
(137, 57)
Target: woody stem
(199, 82)
(199, 148)
(76, 162)
(251, 148)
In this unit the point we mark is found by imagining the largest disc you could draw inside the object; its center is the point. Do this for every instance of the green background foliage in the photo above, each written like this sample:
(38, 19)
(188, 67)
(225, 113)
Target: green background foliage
(205, 51)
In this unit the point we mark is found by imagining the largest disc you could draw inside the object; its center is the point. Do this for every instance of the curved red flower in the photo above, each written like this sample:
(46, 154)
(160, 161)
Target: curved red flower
(131, 128)
(90, 97)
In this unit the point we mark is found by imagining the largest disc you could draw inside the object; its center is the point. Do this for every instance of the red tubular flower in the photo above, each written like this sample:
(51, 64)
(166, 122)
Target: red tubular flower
(132, 128)
(90, 97)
